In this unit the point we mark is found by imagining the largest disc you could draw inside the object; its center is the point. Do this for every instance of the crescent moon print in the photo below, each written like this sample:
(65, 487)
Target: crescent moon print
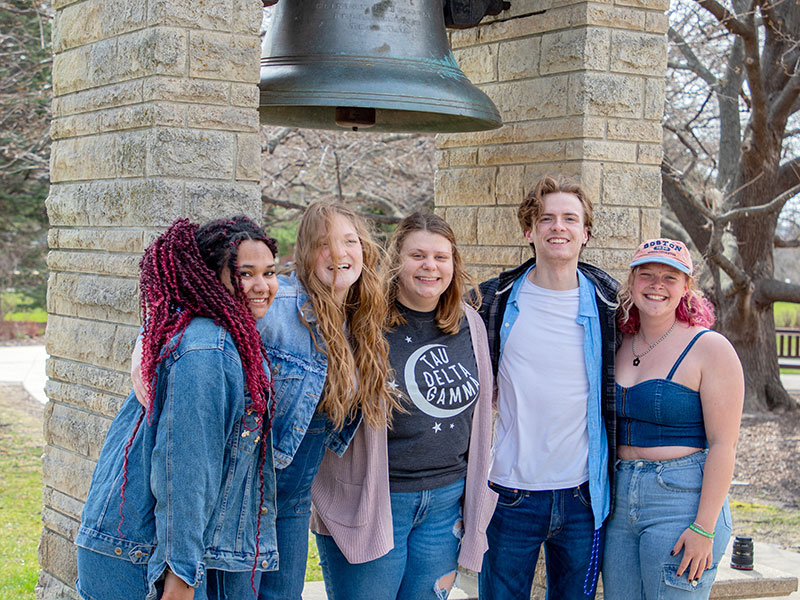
(416, 395)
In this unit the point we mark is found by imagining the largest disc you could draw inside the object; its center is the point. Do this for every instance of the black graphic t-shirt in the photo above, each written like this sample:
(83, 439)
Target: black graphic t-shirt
(438, 376)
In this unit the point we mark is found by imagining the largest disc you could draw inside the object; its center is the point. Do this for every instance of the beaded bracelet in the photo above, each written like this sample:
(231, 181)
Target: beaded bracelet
(697, 529)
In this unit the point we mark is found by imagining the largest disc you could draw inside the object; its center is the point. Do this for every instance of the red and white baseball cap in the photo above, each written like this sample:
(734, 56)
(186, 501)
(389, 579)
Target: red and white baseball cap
(664, 251)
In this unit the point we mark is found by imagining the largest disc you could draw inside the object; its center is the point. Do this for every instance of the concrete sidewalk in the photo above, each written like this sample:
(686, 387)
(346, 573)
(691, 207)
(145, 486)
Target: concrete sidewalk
(25, 365)
(772, 567)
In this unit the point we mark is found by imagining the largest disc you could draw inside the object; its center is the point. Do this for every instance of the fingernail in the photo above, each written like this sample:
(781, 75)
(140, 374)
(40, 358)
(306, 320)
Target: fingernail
(672, 552)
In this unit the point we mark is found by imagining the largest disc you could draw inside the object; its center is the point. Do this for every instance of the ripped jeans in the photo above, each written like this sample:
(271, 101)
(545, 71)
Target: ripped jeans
(428, 528)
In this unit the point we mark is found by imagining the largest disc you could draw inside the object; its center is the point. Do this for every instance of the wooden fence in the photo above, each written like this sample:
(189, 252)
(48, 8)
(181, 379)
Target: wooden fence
(788, 340)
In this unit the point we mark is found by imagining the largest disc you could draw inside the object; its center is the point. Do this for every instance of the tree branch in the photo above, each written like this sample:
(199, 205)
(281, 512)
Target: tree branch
(774, 205)
(782, 107)
(693, 63)
(779, 242)
(726, 18)
(383, 219)
(768, 291)
(789, 174)
(678, 197)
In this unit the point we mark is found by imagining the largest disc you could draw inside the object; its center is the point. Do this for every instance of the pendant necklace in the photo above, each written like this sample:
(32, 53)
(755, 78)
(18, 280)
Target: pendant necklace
(636, 358)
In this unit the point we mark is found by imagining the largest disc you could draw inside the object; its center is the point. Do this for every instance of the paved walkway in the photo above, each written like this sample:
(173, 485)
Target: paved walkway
(25, 365)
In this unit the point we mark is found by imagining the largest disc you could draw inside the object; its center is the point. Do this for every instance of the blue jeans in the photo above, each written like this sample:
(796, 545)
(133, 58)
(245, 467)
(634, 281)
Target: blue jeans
(427, 528)
(656, 502)
(293, 486)
(562, 520)
(102, 577)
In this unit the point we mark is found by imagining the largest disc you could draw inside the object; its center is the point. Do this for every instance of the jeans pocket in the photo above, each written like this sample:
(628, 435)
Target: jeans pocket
(81, 591)
(683, 478)
(506, 497)
(671, 583)
(582, 493)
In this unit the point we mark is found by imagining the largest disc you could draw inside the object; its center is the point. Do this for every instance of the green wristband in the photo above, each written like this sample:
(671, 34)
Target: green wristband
(697, 529)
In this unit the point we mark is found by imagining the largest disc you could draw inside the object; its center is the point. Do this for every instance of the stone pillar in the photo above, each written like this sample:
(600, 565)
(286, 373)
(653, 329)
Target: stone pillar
(154, 117)
(580, 87)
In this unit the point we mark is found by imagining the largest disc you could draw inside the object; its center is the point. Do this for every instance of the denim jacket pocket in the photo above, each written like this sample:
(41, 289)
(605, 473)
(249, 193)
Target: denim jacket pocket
(287, 382)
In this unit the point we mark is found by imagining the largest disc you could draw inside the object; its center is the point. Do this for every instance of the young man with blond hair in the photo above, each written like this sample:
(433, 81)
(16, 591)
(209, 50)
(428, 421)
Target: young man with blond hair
(552, 339)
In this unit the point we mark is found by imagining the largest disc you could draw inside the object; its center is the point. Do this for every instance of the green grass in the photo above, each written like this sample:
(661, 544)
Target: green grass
(786, 314)
(764, 522)
(313, 570)
(37, 315)
(20, 500)
(18, 307)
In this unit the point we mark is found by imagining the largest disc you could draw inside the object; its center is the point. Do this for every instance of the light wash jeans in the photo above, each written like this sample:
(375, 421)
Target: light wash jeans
(125, 580)
(427, 527)
(655, 502)
(293, 487)
(563, 521)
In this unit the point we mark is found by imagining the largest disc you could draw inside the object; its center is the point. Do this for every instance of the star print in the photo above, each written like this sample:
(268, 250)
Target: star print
(452, 425)
(437, 427)
(408, 340)
(393, 384)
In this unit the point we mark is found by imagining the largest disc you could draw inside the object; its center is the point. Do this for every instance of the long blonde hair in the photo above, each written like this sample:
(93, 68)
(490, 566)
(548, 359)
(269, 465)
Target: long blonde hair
(358, 355)
(450, 308)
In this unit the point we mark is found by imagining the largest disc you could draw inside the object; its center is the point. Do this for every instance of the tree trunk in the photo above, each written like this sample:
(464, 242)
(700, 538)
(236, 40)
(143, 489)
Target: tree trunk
(753, 337)
(749, 325)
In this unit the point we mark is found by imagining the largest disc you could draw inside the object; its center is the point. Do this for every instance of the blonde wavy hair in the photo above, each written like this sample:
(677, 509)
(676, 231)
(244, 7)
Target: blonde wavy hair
(450, 308)
(358, 355)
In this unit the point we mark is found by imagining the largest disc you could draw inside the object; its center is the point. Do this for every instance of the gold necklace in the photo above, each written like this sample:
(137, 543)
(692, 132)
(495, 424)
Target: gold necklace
(636, 358)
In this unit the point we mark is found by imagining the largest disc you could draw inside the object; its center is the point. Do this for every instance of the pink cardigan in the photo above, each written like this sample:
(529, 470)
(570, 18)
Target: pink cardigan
(351, 494)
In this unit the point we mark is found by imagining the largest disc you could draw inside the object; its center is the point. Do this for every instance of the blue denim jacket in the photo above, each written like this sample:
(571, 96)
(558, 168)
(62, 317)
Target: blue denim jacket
(299, 369)
(589, 319)
(193, 485)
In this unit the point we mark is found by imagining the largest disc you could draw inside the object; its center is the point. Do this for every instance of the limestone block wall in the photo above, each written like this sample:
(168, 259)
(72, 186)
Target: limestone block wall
(154, 117)
(580, 87)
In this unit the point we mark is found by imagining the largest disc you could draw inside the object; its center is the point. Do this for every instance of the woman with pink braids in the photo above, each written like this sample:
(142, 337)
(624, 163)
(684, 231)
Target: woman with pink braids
(179, 506)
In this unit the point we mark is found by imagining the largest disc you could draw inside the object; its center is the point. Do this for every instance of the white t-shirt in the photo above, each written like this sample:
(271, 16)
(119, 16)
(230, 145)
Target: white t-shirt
(541, 437)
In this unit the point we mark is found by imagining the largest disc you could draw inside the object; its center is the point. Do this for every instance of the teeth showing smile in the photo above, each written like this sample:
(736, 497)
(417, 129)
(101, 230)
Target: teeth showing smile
(339, 267)
(558, 241)
(655, 297)
(428, 279)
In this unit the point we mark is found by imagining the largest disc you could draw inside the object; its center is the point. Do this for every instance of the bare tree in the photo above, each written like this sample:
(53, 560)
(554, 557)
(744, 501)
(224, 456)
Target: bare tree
(731, 163)
(25, 93)
(385, 176)
(25, 88)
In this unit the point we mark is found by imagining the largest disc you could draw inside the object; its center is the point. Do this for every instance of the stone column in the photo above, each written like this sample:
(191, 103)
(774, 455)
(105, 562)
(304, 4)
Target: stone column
(154, 117)
(580, 87)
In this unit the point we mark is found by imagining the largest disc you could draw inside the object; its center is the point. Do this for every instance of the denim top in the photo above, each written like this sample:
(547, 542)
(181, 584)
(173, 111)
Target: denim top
(193, 495)
(589, 319)
(660, 412)
(299, 368)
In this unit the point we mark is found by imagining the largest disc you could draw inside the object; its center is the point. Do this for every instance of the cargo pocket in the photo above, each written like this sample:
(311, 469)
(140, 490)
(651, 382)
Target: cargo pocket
(673, 586)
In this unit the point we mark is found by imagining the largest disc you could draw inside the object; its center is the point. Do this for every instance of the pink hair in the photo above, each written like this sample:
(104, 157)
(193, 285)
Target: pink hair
(694, 308)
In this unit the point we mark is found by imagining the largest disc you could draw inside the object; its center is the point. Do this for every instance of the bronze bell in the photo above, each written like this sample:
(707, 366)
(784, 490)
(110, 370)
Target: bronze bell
(385, 65)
